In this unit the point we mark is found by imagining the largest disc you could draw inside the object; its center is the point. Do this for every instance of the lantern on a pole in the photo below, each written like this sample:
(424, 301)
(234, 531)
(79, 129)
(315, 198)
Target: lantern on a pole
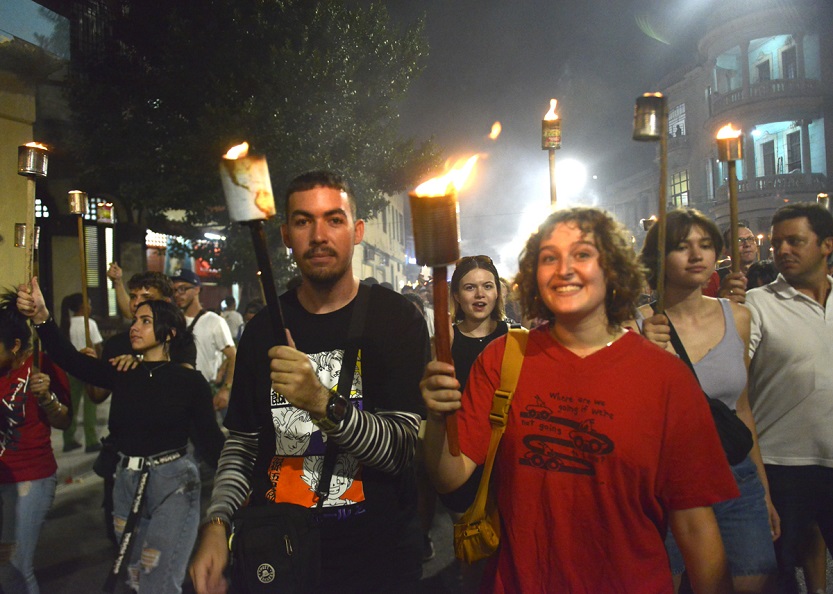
(650, 124)
(730, 150)
(551, 142)
(32, 162)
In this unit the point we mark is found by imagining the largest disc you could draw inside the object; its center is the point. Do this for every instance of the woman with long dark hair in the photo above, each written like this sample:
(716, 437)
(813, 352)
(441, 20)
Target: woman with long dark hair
(156, 407)
(608, 440)
(715, 335)
(33, 401)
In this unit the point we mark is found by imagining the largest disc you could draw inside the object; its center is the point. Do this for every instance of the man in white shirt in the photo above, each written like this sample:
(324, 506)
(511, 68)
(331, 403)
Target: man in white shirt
(211, 334)
(791, 380)
(73, 307)
(232, 316)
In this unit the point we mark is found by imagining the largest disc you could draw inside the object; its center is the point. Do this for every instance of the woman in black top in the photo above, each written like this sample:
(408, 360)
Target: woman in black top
(478, 311)
(156, 407)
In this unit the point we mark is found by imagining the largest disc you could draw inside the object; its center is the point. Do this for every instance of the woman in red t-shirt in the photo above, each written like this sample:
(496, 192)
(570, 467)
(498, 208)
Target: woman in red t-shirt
(33, 401)
(608, 441)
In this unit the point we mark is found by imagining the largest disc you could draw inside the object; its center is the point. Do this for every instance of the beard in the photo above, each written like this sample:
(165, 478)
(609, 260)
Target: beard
(324, 277)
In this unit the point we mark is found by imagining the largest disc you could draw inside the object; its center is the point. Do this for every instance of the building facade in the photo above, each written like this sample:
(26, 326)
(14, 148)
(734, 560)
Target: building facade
(766, 67)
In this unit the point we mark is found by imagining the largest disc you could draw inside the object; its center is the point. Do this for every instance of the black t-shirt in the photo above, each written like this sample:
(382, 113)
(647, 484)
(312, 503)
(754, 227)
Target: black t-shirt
(464, 350)
(366, 520)
(156, 407)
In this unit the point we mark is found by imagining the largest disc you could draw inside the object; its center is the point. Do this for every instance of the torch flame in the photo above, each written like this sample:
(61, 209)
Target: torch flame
(36, 145)
(551, 115)
(237, 152)
(728, 132)
(451, 182)
(496, 130)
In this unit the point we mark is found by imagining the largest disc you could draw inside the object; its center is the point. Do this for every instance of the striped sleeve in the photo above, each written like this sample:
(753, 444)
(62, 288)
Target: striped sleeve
(232, 482)
(385, 440)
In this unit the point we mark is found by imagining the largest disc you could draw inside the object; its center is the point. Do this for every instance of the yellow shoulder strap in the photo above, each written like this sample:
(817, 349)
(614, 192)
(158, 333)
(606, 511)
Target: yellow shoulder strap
(510, 370)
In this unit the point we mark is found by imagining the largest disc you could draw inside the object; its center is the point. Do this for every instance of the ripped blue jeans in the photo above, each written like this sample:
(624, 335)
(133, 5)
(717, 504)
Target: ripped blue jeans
(167, 527)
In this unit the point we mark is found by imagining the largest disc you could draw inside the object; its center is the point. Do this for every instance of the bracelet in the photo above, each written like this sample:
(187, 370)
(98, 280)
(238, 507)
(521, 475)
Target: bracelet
(218, 521)
(46, 321)
(52, 398)
(48, 405)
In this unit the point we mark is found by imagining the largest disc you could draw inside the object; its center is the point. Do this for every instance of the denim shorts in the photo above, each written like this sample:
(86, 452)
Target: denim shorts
(744, 528)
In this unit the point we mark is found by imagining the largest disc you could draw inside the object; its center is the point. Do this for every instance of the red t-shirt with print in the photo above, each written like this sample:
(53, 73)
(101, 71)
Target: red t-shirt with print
(596, 451)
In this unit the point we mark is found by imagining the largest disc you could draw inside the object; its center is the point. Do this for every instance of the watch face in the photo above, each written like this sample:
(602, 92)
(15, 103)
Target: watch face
(337, 408)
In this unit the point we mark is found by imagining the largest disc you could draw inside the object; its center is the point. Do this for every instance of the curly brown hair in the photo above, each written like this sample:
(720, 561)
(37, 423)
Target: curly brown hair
(622, 272)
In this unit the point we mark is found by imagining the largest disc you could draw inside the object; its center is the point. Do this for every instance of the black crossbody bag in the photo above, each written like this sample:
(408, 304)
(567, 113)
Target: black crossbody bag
(276, 547)
(735, 436)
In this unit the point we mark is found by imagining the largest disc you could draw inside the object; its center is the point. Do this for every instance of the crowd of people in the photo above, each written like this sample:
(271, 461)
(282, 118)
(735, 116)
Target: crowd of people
(613, 474)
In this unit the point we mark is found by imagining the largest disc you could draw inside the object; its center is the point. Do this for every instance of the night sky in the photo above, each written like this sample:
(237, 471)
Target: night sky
(493, 60)
(502, 60)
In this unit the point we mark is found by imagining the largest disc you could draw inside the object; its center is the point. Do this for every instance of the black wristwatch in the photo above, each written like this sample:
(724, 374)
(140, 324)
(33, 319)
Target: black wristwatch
(336, 411)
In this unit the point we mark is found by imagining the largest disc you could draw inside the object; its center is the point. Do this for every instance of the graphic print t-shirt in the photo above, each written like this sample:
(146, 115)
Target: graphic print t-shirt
(295, 469)
(364, 505)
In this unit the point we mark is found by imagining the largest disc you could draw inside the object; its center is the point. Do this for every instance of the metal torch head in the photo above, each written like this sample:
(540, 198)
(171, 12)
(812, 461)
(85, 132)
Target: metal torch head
(247, 188)
(551, 134)
(77, 202)
(649, 117)
(20, 235)
(32, 160)
(436, 223)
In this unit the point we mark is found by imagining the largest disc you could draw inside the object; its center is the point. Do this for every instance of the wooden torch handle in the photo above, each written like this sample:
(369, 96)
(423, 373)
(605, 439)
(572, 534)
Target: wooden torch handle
(442, 344)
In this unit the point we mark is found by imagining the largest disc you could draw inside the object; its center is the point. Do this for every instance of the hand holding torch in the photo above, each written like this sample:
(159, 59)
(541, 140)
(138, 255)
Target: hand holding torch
(650, 123)
(730, 150)
(435, 213)
(248, 191)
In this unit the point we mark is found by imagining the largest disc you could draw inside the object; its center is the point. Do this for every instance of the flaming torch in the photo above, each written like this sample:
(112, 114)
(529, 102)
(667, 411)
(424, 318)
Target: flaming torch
(730, 149)
(32, 162)
(824, 200)
(436, 224)
(551, 141)
(248, 191)
(78, 205)
(650, 123)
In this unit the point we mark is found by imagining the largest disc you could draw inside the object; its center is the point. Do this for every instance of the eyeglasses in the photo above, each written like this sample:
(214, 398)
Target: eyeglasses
(184, 289)
(746, 240)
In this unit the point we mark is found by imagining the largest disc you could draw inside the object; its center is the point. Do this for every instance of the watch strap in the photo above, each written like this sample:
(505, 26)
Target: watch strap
(345, 384)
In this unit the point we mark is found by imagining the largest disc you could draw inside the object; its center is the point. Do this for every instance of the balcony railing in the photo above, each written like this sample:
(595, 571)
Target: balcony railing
(791, 183)
(782, 87)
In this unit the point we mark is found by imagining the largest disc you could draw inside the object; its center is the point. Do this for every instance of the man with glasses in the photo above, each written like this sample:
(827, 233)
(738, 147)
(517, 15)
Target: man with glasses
(211, 333)
(733, 285)
(791, 380)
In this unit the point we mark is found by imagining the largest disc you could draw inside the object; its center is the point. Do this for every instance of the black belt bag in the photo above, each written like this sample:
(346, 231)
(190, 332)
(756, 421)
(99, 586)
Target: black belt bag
(275, 548)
